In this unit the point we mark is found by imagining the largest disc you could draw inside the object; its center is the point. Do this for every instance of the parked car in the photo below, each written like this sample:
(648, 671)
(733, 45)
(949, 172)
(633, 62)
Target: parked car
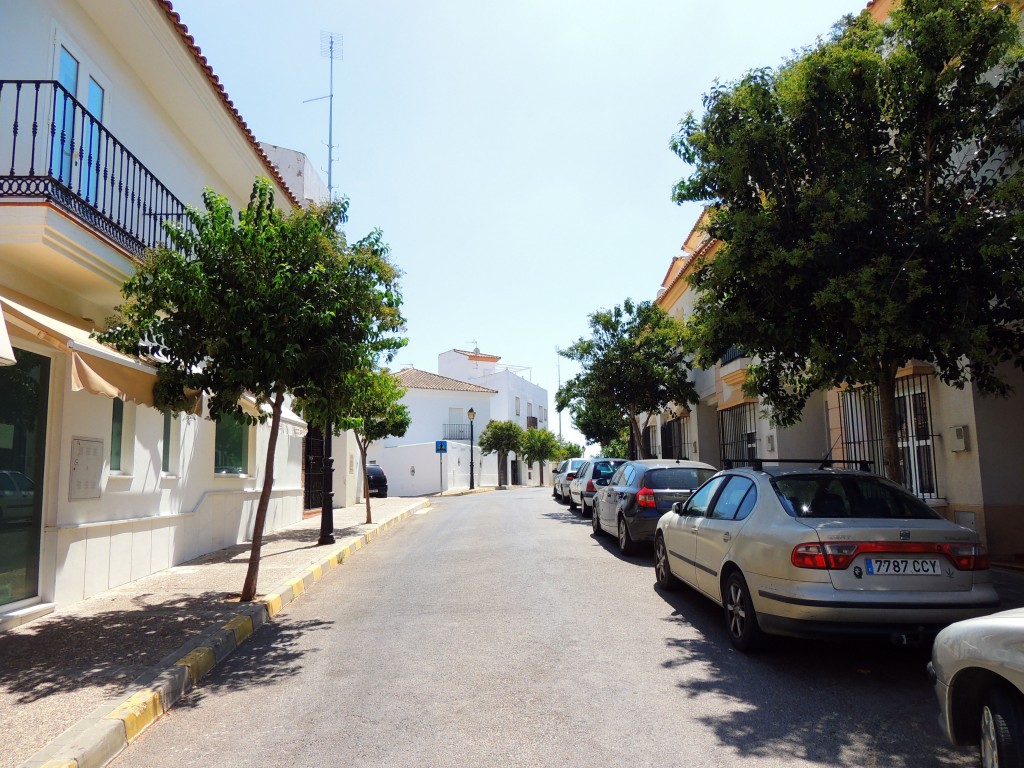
(563, 476)
(377, 480)
(639, 493)
(977, 667)
(589, 477)
(17, 497)
(813, 552)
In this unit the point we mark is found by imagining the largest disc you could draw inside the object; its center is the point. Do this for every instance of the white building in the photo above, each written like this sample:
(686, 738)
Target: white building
(113, 122)
(515, 398)
(439, 407)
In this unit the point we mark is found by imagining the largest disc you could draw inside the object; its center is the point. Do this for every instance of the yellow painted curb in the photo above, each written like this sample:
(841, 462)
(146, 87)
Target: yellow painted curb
(60, 764)
(298, 587)
(198, 661)
(318, 572)
(241, 626)
(273, 603)
(137, 712)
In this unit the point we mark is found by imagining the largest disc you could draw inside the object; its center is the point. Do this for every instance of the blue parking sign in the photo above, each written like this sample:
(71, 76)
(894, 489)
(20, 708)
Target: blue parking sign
(441, 446)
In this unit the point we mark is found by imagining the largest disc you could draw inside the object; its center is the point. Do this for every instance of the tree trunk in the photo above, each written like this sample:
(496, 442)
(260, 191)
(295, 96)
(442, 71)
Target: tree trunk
(502, 461)
(634, 421)
(252, 574)
(366, 477)
(890, 422)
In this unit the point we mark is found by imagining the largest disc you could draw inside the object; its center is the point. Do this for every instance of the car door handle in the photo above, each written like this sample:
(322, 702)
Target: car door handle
(726, 536)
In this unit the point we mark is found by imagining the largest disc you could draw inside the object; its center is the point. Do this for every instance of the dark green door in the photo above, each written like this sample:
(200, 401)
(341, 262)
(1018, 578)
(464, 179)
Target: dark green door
(23, 397)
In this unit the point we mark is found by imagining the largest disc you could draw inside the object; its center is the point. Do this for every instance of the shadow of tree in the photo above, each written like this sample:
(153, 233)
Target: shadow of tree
(109, 649)
(836, 703)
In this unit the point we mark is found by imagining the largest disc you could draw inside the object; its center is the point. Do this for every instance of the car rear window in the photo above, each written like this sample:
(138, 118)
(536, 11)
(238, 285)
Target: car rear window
(576, 464)
(604, 469)
(849, 496)
(676, 477)
(375, 471)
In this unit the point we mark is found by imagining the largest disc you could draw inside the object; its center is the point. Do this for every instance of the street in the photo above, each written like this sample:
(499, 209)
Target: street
(493, 629)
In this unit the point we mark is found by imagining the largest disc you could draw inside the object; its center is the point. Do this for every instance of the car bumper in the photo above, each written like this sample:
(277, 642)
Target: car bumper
(943, 693)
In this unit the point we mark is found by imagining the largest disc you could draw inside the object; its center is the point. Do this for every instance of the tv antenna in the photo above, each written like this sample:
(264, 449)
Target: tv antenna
(332, 47)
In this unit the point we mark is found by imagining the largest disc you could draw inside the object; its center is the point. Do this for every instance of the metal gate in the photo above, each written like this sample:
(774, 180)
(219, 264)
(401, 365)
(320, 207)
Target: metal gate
(313, 469)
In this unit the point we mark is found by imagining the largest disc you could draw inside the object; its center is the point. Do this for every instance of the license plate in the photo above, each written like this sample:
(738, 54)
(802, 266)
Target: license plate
(903, 566)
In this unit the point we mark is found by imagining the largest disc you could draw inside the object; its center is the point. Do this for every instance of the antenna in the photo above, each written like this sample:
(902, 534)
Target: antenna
(332, 47)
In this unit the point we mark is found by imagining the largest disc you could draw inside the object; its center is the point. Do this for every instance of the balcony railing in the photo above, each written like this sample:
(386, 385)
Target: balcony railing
(531, 421)
(52, 147)
(732, 353)
(456, 432)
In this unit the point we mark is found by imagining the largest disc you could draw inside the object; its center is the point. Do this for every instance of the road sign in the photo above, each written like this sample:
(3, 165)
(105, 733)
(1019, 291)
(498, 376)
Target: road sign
(441, 446)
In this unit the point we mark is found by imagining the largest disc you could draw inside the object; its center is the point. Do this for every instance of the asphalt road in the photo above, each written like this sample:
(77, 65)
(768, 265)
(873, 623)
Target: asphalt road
(494, 630)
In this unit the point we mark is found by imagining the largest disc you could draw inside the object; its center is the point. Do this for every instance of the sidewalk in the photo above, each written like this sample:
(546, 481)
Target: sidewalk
(77, 684)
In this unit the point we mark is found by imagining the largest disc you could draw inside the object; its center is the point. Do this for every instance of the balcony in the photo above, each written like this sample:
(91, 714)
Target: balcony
(531, 421)
(455, 432)
(53, 149)
(732, 353)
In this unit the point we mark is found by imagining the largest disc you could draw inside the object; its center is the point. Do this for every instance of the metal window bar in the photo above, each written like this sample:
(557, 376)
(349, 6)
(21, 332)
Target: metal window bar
(60, 152)
(674, 439)
(862, 438)
(455, 432)
(737, 432)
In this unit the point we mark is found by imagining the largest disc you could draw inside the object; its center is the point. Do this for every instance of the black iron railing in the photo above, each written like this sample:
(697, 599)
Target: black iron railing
(456, 432)
(52, 147)
(732, 353)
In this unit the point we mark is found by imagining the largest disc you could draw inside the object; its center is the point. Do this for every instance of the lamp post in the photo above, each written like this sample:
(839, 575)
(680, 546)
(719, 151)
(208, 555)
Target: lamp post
(472, 415)
(327, 505)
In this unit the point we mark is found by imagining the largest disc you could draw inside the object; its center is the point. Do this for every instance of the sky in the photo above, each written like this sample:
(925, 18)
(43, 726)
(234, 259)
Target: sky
(514, 154)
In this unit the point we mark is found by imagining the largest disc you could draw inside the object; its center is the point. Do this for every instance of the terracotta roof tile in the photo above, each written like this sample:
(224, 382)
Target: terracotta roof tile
(413, 378)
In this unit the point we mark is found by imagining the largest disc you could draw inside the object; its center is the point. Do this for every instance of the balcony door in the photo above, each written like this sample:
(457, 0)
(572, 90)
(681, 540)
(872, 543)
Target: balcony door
(77, 146)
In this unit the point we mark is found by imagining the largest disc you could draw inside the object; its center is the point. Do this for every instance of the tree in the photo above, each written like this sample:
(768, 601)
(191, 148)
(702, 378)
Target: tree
(539, 445)
(617, 448)
(373, 410)
(503, 438)
(267, 306)
(599, 420)
(868, 197)
(633, 363)
(567, 450)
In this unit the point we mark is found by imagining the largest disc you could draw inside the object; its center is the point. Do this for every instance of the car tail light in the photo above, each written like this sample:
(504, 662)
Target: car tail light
(570, 477)
(591, 488)
(839, 555)
(645, 498)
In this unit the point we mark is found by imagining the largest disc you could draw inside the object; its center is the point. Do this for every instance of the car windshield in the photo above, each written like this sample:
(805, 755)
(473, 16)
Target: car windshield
(676, 477)
(576, 464)
(849, 496)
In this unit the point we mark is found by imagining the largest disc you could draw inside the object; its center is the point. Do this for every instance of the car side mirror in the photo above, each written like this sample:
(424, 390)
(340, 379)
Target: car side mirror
(601, 481)
(679, 507)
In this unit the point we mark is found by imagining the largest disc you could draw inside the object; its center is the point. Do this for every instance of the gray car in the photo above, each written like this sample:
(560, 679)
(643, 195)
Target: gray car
(563, 476)
(589, 478)
(977, 667)
(819, 552)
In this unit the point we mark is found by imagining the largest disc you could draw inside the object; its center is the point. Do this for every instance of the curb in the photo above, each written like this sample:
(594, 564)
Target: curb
(104, 733)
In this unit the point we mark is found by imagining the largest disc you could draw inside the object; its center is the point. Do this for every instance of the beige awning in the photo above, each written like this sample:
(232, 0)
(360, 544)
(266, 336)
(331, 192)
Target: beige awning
(95, 367)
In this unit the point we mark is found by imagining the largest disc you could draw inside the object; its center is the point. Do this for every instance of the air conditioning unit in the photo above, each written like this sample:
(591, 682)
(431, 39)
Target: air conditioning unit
(958, 438)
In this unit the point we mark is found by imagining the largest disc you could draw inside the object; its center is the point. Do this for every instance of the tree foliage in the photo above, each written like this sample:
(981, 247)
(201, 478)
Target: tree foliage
(868, 197)
(503, 438)
(273, 304)
(634, 362)
(567, 450)
(539, 445)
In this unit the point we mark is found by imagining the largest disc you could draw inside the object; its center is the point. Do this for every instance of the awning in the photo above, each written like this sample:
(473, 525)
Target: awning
(95, 367)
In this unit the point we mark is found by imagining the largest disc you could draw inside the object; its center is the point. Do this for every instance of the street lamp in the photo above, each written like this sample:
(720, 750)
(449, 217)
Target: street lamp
(327, 501)
(472, 415)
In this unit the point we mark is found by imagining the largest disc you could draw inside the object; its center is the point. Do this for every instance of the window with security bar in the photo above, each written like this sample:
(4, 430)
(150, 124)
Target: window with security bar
(737, 433)
(862, 438)
(675, 439)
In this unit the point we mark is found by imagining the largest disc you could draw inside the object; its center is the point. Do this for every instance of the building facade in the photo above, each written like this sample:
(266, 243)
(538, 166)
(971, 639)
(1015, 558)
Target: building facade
(111, 122)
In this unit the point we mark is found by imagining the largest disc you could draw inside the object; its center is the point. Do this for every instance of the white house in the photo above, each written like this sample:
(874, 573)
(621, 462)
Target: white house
(440, 408)
(111, 122)
(515, 398)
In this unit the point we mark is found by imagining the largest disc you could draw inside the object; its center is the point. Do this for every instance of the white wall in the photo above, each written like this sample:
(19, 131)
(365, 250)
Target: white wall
(417, 470)
(429, 411)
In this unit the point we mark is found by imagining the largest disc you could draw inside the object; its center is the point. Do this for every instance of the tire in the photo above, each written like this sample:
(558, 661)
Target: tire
(662, 571)
(595, 522)
(740, 617)
(626, 545)
(572, 504)
(1001, 741)
(584, 510)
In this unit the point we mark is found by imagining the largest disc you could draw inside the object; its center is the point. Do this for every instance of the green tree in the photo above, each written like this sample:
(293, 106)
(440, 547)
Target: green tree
(503, 438)
(599, 420)
(617, 448)
(269, 305)
(633, 363)
(868, 197)
(539, 445)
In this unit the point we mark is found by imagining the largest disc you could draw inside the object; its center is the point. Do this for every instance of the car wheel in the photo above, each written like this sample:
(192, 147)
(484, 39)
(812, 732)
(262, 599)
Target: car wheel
(740, 617)
(626, 545)
(572, 504)
(595, 522)
(585, 511)
(662, 571)
(1002, 729)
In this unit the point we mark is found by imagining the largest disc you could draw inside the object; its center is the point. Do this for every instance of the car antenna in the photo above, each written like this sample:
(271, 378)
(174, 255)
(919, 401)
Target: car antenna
(827, 461)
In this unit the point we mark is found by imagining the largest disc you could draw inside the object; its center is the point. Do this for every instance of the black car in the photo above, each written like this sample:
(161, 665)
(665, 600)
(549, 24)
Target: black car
(639, 493)
(377, 481)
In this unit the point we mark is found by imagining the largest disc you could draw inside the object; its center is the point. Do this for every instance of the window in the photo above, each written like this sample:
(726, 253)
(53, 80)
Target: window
(231, 452)
(737, 431)
(701, 500)
(517, 406)
(529, 409)
(165, 459)
(736, 499)
(116, 434)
